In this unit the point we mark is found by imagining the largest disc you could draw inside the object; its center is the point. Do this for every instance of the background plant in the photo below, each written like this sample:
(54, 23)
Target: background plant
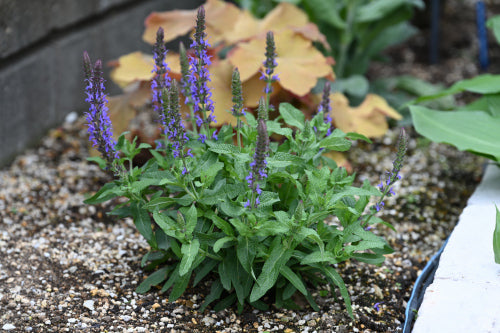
(250, 216)
(473, 127)
(237, 38)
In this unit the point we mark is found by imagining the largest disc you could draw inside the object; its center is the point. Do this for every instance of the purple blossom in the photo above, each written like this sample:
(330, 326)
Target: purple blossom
(161, 81)
(99, 125)
(198, 78)
(269, 64)
(174, 130)
(393, 176)
(325, 108)
(376, 306)
(259, 163)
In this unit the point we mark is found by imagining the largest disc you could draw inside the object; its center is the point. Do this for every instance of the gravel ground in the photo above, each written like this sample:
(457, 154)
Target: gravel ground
(68, 266)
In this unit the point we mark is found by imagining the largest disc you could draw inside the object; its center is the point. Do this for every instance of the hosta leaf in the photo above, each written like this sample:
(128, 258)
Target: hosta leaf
(474, 131)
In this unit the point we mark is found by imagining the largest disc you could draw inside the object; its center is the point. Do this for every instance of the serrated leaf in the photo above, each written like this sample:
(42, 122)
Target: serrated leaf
(337, 280)
(223, 148)
(245, 250)
(294, 279)
(275, 127)
(318, 257)
(159, 203)
(219, 223)
(142, 221)
(189, 253)
(292, 116)
(191, 217)
(166, 224)
(268, 199)
(278, 257)
(107, 192)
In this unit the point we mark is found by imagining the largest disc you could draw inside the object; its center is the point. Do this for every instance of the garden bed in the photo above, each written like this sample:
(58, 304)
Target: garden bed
(68, 265)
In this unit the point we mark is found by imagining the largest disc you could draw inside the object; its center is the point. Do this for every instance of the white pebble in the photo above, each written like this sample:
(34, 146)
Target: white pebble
(89, 304)
(8, 327)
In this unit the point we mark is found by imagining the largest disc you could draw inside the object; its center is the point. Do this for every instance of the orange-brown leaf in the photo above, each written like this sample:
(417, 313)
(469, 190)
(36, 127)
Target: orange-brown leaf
(138, 66)
(369, 118)
(300, 65)
(283, 16)
(221, 72)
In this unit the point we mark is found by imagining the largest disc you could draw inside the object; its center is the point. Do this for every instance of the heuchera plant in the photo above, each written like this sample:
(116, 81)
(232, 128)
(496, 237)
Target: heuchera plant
(247, 213)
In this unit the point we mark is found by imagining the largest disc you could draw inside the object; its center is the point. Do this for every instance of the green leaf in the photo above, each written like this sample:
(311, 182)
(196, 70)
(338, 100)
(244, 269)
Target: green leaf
(154, 279)
(245, 250)
(496, 238)
(142, 221)
(481, 84)
(189, 253)
(215, 293)
(369, 258)
(337, 280)
(179, 287)
(268, 199)
(231, 208)
(474, 131)
(275, 127)
(319, 256)
(292, 115)
(377, 10)
(270, 271)
(336, 141)
(159, 203)
(219, 222)
(207, 176)
(494, 24)
(327, 11)
(98, 160)
(356, 85)
(294, 279)
(169, 226)
(223, 148)
(357, 136)
(205, 269)
(107, 192)
(191, 217)
(220, 243)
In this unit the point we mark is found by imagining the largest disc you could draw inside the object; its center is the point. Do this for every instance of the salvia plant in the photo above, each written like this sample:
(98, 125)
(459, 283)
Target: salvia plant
(262, 220)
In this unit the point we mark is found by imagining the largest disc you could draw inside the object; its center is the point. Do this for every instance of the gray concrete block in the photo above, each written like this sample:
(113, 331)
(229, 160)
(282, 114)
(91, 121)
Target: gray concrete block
(40, 88)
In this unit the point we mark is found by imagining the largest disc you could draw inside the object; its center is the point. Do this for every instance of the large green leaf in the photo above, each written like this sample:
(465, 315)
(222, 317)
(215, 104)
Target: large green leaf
(142, 221)
(481, 84)
(474, 131)
(494, 24)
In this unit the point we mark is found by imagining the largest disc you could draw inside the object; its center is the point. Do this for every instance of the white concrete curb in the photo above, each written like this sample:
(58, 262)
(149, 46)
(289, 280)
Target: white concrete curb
(465, 294)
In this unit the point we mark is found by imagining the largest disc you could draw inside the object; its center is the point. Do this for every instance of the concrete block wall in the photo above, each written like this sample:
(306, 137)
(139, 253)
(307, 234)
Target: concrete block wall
(41, 46)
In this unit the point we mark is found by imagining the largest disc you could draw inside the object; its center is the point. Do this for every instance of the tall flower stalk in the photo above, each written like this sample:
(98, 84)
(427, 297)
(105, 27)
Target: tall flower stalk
(237, 109)
(324, 107)
(100, 129)
(269, 66)
(175, 130)
(258, 165)
(201, 96)
(391, 177)
(186, 85)
(161, 81)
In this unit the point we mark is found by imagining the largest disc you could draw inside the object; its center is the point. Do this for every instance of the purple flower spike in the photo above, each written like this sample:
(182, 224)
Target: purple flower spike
(258, 165)
(161, 80)
(325, 107)
(269, 64)
(201, 96)
(393, 176)
(99, 125)
(175, 130)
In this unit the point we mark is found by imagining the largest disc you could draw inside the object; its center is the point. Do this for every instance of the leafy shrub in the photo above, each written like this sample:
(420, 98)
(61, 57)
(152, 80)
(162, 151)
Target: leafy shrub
(253, 215)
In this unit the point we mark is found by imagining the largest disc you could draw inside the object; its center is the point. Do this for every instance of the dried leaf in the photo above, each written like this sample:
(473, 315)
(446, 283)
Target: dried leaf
(253, 90)
(221, 72)
(299, 63)
(220, 17)
(138, 66)
(369, 118)
(283, 16)
(311, 32)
